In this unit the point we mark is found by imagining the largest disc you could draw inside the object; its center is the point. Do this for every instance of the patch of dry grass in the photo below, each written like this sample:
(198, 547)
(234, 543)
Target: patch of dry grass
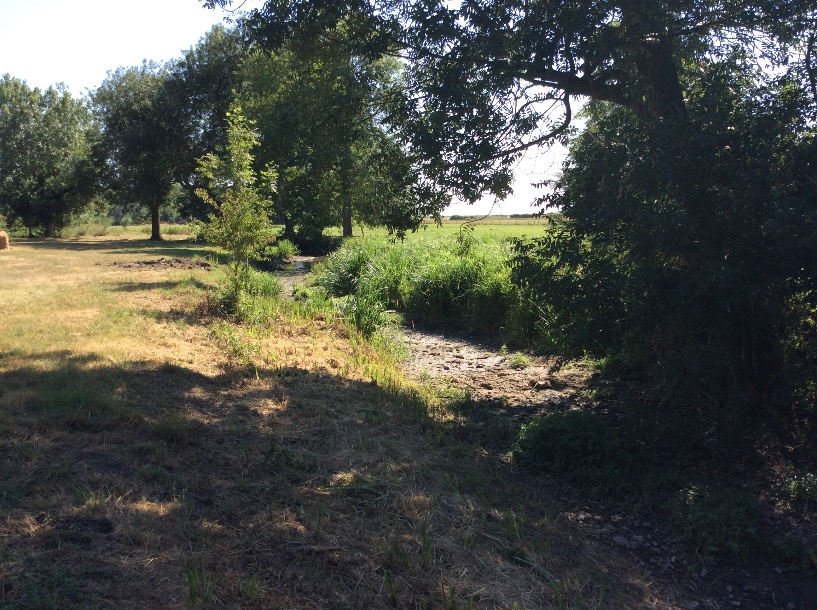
(141, 465)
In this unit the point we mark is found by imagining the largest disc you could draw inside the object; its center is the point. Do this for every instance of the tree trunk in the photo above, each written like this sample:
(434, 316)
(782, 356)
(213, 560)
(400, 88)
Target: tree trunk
(289, 228)
(50, 230)
(155, 233)
(652, 53)
(345, 192)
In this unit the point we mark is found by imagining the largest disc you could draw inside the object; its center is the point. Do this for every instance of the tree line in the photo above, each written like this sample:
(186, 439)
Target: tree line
(134, 143)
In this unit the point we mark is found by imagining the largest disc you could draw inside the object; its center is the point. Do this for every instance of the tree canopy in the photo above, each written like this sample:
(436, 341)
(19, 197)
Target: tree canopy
(47, 147)
(141, 135)
(320, 118)
(487, 79)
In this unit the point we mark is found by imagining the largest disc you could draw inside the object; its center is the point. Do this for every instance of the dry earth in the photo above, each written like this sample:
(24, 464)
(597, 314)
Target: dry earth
(521, 386)
(214, 465)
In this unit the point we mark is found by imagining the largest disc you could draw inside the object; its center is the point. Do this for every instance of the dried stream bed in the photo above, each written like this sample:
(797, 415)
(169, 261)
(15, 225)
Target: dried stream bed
(520, 387)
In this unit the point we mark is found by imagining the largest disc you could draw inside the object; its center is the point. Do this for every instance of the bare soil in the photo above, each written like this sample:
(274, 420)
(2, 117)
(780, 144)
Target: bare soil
(164, 263)
(522, 386)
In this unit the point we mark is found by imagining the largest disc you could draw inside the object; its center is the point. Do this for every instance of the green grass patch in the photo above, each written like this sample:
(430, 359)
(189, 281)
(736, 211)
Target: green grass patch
(578, 445)
(433, 283)
(717, 520)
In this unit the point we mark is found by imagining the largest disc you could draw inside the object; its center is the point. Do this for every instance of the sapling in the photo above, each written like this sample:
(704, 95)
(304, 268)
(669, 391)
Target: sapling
(241, 223)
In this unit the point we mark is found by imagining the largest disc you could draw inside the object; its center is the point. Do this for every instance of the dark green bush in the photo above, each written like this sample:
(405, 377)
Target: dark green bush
(717, 520)
(278, 251)
(686, 248)
(575, 444)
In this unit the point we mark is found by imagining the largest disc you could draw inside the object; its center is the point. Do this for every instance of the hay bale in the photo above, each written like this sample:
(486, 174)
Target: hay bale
(4, 241)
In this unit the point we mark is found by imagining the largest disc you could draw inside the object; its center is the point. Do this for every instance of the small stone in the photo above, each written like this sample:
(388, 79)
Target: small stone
(778, 570)
(638, 539)
(621, 541)
(486, 385)
(790, 606)
(704, 573)
(728, 588)
(736, 604)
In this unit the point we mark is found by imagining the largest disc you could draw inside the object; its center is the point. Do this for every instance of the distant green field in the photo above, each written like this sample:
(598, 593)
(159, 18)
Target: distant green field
(493, 226)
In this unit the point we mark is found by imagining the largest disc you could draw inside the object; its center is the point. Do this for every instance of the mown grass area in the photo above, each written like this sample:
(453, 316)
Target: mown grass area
(157, 454)
(491, 226)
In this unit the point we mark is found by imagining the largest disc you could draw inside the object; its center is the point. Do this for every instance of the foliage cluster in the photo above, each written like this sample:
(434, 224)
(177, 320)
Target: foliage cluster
(48, 156)
(240, 224)
(687, 245)
(430, 282)
(717, 520)
(575, 444)
(278, 251)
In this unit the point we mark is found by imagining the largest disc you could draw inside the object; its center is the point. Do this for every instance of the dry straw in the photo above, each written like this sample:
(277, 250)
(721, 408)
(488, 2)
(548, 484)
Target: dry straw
(4, 241)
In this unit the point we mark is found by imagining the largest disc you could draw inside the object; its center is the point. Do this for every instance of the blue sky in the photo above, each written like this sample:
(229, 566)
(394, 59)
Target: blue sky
(76, 42)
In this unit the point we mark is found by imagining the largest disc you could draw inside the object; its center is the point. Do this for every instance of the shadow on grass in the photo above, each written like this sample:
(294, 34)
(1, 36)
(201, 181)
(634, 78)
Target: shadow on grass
(162, 285)
(278, 487)
(275, 487)
(181, 248)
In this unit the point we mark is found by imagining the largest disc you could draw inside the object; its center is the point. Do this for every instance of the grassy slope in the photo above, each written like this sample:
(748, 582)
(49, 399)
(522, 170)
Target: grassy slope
(143, 465)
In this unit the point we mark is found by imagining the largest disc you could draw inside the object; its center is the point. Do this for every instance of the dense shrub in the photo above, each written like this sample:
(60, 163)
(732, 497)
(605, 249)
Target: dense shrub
(277, 252)
(717, 520)
(431, 282)
(576, 444)
(687, 245)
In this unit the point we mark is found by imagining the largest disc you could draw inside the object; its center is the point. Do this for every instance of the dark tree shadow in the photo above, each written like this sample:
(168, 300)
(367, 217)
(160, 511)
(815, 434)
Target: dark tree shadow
(123, 481)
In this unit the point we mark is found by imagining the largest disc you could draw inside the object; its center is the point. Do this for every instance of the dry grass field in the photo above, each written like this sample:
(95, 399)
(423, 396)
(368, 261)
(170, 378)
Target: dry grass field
(153, 455)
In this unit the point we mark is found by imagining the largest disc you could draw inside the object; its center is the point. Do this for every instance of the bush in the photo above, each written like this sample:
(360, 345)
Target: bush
(366, 310)
(717, 520)
(250, 302)
(576, 444)
(685, 245)
(427, 280)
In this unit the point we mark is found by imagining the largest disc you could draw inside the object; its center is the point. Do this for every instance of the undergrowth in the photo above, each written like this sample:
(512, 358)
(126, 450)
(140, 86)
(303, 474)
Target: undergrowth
(577, 445)
(434, 283)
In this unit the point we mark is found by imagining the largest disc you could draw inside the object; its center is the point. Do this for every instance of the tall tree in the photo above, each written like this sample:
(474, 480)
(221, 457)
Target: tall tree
(141, 134)
(320, 115)
(489, 78)
(47, 167)
(200, 88)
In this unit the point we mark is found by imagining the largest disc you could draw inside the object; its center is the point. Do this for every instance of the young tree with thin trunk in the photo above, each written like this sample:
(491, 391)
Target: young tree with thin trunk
(241, 223)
